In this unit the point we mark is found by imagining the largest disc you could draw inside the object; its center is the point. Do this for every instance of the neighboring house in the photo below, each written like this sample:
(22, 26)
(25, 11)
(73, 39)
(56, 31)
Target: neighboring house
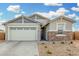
(22, 28)
(38, 27)
(1, 30)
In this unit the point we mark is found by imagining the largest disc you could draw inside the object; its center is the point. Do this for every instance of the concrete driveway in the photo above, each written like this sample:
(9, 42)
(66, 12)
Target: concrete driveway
(19, 49)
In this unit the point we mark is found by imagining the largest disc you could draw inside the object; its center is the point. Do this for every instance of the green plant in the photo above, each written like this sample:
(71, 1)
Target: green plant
(49, 52)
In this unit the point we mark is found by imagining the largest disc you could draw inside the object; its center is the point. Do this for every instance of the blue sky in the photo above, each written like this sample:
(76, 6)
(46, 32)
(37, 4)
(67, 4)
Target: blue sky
(9, 11)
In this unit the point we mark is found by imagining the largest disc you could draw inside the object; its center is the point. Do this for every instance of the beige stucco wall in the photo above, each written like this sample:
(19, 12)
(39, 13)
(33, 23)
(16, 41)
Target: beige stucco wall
(53, 25)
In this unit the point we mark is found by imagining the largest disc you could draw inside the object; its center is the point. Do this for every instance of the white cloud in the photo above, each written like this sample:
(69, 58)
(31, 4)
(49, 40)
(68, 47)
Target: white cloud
(50, 14)
(75, 9)
(72, 15)
(44, 14)
(14, 8)
(62, 11)
(17, 15)
(53, 4)
(77, 18)
(78, 4)
(22, 12)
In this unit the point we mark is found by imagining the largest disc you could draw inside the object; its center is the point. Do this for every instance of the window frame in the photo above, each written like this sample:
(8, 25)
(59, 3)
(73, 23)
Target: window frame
(64, 25)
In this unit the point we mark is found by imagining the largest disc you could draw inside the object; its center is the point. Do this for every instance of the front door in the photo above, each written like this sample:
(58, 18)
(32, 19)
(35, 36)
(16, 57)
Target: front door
(43, 33)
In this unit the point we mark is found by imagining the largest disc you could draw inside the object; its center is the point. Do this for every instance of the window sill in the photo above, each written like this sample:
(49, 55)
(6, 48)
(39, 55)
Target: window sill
(60, 35)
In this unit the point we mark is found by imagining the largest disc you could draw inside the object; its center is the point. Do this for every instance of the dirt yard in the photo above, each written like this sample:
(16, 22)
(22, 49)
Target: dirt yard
(59, 48)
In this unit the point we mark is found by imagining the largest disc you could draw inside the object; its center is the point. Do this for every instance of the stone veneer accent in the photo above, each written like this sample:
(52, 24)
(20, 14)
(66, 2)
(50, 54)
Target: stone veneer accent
(52, 36)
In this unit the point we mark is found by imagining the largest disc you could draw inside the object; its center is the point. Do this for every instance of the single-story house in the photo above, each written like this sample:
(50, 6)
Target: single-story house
(38, 27)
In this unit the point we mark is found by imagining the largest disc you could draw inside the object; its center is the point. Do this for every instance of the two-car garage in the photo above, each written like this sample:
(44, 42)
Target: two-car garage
(23, 33)
(22, 29)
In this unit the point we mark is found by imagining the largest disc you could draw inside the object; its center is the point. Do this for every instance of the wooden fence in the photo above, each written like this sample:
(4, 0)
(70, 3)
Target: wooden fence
(76, 35)
(2, 36)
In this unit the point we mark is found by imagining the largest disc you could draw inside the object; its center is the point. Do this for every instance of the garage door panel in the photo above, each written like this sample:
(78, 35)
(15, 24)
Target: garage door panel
(23, 33)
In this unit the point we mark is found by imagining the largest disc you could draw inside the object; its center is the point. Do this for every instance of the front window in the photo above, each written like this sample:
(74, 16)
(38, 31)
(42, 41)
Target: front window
(60, 28)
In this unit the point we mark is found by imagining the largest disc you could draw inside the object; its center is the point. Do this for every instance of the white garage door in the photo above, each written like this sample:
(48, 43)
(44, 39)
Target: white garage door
(23, 33)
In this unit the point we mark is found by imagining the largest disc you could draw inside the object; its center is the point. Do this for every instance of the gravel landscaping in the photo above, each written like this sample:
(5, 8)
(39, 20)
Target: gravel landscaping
(58, 48)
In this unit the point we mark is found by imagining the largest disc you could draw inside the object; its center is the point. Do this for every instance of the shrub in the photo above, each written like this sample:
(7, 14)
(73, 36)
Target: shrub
(71, 42)
(45, 46)
(53, 42)
(42, 43)
(62, 42)
(49, 52)
(70, 54)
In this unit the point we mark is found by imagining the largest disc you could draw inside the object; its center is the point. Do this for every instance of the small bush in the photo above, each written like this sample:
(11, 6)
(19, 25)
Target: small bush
(71, 42)
(70, 54)
(53, 42)
(45, 46)
(62, 42)
(49, 52)
(42, 43)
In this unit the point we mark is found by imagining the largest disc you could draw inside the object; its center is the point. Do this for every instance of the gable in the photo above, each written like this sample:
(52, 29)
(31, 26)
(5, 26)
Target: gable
(21, 19)
(63, 18)
(53, 24)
